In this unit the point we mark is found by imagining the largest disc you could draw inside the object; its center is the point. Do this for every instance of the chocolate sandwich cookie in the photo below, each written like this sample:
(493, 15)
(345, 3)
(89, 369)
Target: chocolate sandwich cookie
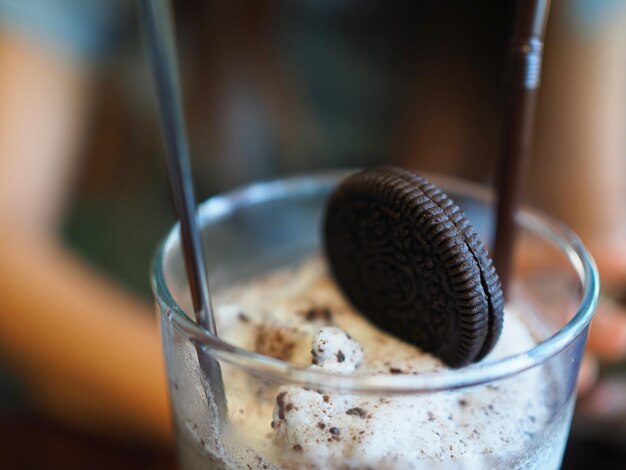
(406, 256)
(489, 278)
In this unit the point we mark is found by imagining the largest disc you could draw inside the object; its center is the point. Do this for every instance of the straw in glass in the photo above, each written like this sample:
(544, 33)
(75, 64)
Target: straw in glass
(525, 60)
(159, 38)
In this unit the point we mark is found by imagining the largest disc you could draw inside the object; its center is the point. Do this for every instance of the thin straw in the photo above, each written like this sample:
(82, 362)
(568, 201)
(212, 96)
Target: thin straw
(525, 60)
(160, 40)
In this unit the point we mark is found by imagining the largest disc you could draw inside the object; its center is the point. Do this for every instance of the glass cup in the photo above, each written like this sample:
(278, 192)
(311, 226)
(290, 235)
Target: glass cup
(474, 417)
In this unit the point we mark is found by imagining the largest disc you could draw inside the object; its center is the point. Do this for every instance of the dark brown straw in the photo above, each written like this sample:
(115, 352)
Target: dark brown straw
(524, 77)
(159, 37)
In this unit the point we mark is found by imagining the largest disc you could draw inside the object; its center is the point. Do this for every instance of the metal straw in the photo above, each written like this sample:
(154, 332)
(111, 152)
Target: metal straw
(159, 38)
(524, 78)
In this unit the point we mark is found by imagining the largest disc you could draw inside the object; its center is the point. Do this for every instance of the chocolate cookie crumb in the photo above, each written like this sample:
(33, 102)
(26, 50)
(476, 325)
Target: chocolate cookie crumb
(334, 431)
(395, 371)
(274, 342)
(280, 401)
(315, 358)
(321, 425)
(326, 398)
(357, 411)
(318, 313)
(297, 447)
(243, 317)
(340, 356)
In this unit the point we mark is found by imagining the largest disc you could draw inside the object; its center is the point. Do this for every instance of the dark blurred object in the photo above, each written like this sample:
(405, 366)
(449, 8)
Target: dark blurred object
(32, 442)
(601, 413)
(587, 452)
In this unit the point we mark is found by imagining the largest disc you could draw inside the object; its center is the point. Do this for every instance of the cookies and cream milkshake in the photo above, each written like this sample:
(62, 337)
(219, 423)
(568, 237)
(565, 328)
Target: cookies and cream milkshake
(298, 315)
(401, 287)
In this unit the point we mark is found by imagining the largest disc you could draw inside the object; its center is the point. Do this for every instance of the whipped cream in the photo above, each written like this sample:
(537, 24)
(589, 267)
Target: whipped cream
(299, 315)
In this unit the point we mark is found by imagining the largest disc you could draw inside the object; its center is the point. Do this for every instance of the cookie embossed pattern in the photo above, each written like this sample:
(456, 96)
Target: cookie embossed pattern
(319, 374)
(408, 258)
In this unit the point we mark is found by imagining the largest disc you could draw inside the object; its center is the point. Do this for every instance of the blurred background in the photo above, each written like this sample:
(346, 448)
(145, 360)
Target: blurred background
(271, 88)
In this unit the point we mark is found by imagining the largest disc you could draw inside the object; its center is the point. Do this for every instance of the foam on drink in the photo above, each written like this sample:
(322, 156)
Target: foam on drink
(298, 315)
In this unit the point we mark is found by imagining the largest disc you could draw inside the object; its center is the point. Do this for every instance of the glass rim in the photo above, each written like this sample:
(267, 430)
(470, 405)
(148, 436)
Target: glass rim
(448, 379)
